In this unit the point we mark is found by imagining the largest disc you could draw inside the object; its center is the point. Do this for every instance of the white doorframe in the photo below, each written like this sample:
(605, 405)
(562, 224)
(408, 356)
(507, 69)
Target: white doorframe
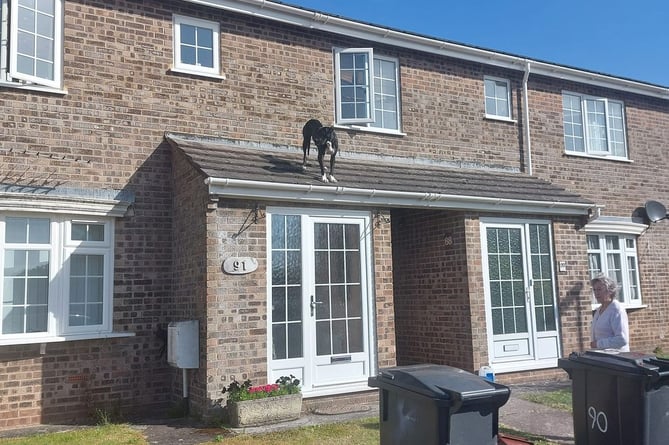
(328, 373)
(536, 344)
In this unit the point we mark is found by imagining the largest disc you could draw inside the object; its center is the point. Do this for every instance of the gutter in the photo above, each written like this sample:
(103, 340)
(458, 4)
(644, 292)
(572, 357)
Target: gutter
(240, 188)
(310, 19)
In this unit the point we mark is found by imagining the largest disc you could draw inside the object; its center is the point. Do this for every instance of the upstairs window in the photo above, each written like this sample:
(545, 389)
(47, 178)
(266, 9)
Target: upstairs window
(196, 46)
(31, 42)
(354, 71)
(367, 89)
(497, 98)
(594, 126)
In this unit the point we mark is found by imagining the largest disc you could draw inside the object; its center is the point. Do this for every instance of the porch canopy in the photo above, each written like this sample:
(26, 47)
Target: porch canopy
(271, 172)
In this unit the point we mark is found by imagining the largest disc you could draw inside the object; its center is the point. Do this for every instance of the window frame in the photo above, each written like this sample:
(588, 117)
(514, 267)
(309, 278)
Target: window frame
(9, 51)
(369, 84)
(497, 81)
(178, 66)
(376, 92)
(588, 129)
(626, 278)
(61, 247)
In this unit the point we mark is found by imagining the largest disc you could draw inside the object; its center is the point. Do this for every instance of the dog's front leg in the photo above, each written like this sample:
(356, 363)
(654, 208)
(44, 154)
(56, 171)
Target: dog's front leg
(321, 155)
(332, 164)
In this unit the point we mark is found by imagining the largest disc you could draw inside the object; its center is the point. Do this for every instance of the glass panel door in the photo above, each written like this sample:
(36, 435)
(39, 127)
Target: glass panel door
(320, 299)
(520, 295)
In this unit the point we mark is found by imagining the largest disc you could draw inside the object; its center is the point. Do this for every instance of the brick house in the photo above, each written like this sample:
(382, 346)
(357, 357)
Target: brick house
(146, 144)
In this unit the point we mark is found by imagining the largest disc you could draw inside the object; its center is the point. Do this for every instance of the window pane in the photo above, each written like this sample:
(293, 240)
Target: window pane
(323, 338)
(279, 341)
(278, 232)
(12, 320)
(294, 340)
(293, 232)
(355, 336)
(278, 304)
(294, 303)
(337, 267)
(354, 301)
(188, 34)
(339, 337)
(37, 291)
(294, 275)
(338, 301)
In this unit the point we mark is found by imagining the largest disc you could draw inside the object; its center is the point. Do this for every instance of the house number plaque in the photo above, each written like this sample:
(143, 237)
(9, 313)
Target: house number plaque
(240, 265)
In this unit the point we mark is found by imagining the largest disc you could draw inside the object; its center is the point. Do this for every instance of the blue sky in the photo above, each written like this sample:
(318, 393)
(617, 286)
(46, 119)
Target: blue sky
(622, 38)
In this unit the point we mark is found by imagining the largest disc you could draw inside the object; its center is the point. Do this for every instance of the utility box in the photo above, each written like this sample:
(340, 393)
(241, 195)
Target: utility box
(183, 345)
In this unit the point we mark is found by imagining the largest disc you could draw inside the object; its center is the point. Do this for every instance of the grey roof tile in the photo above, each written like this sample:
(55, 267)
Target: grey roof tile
(224, 159)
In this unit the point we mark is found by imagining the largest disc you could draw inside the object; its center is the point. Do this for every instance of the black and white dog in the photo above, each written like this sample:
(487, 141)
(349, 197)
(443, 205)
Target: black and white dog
(325, 139)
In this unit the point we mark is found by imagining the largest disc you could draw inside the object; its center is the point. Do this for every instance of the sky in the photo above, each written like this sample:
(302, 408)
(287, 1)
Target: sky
(622, 38)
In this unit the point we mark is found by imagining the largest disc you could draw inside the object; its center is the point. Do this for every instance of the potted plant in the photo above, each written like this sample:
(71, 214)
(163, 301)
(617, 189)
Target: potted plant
(250, 405)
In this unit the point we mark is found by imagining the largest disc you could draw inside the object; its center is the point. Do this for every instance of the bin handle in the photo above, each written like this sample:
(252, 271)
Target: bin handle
(387, 375)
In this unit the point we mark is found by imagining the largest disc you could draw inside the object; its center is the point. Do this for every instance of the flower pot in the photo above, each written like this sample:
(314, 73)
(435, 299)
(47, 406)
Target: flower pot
(256, 412)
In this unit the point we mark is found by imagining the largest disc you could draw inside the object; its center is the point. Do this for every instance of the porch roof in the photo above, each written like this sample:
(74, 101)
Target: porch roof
(271, 172)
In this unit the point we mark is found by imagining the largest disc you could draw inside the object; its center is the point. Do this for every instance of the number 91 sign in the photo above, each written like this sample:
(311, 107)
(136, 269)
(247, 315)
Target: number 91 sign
(240, 265)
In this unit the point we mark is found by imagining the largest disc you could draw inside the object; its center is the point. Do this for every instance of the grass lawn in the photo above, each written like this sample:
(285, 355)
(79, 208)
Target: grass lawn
(112, 434)
(357, 432)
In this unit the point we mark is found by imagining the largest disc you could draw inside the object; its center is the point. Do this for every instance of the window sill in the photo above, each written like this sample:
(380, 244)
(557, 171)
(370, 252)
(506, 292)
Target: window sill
(62, 338)
(197, 73)
(370, 130)
(604, 158)
(32, 87)
(500, 118)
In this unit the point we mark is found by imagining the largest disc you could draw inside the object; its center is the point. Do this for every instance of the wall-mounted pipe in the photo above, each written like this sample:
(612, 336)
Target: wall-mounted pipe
(526, 118)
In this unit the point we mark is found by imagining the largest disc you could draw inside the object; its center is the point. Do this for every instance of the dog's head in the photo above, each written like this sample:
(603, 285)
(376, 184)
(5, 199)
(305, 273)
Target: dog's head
(325, 139)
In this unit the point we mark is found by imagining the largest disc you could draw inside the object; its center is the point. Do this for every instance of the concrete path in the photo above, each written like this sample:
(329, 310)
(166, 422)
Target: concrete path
(521, 415)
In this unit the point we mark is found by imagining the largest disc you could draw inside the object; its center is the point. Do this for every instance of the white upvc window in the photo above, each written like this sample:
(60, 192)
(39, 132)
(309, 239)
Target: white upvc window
(57, 277)
(615, 255)
(196, 46)
(367, 90)
(497, 94)
(354, 77)
(31, 42)
(594, 126)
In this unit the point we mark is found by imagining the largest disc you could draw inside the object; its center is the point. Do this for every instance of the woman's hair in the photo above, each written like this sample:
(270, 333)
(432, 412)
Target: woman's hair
(611, 285)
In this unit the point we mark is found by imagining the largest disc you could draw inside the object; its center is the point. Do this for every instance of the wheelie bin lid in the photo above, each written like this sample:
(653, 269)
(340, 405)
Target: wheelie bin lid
(441, 382)
(633, 363)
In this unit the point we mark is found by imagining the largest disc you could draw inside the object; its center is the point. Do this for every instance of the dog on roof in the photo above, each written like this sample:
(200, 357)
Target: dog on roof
(326, 141)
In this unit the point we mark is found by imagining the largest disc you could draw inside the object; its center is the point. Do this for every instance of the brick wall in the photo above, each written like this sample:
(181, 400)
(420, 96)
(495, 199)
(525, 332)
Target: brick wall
(433, 315)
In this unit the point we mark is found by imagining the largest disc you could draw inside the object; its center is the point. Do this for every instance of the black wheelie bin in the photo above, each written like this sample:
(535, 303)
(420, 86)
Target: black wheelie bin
(619, 398)
(437, 405)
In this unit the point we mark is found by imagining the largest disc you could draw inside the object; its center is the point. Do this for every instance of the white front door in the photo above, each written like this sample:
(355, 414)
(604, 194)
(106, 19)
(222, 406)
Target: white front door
(319, 295)
(521, 308)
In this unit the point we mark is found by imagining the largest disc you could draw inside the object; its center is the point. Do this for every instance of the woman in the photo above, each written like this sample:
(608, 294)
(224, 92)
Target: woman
(610, 329)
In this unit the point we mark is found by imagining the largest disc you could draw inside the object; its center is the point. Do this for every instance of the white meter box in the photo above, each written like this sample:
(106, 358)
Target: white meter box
(183, 345)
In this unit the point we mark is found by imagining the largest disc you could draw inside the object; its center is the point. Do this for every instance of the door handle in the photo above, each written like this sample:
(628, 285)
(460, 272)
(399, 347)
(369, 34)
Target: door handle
(313, 304)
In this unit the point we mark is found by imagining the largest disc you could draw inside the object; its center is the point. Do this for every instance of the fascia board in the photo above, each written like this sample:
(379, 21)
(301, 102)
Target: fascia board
(235, 188)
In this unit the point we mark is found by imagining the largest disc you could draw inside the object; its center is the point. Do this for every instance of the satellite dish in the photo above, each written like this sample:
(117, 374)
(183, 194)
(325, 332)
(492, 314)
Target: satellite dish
(655, 211)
